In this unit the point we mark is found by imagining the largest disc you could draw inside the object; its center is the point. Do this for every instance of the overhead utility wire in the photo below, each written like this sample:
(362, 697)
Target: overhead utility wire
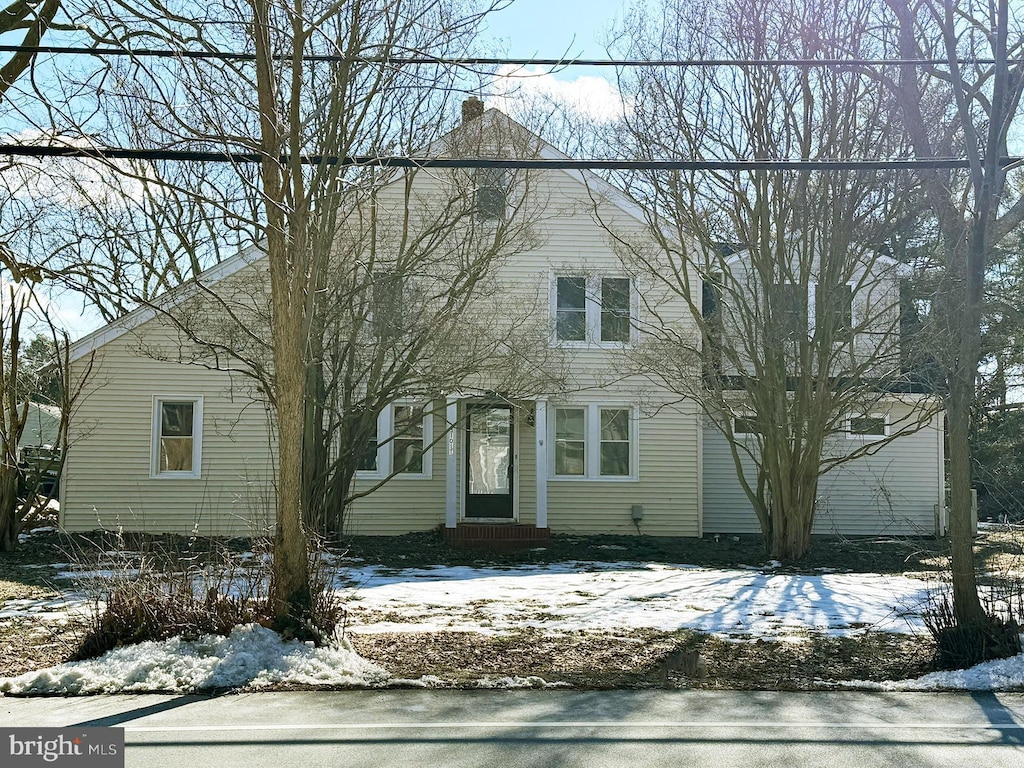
(118, 153)
(481, 61)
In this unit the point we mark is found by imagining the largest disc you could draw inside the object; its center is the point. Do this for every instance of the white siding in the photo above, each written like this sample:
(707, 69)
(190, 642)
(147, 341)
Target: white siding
(107, 482)
(107, 475)
(890, 492)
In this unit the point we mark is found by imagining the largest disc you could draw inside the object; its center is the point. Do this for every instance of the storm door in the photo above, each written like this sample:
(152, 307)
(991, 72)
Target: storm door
(489, 462)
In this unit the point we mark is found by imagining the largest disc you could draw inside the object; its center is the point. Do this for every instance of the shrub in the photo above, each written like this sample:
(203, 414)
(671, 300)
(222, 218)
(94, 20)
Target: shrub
(960, 646)
(188, 588)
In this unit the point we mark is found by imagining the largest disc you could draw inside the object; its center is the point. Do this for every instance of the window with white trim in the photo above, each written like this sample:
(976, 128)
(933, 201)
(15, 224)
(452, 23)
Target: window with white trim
(368, 461)
(594, 309)
(401, 445)
(866, 426)
(407, 445)
(615, 443)
(571, 441)
(177, 437)
(594, 441)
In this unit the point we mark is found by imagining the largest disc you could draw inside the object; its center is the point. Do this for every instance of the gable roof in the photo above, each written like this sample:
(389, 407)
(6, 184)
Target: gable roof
(233, 264)
(172, 298)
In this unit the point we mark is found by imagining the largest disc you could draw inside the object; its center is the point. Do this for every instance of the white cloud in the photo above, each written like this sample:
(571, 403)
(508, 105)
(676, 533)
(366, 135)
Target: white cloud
(66, 181)
(517, 90)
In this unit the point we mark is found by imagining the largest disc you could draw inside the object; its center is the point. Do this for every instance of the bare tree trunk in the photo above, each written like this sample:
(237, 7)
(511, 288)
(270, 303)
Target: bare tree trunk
(792, 510)
(966, 603)
(290, 589)
(965, 247)
(8, 507)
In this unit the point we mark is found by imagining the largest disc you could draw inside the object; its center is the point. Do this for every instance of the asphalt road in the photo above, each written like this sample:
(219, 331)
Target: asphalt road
(589, 729)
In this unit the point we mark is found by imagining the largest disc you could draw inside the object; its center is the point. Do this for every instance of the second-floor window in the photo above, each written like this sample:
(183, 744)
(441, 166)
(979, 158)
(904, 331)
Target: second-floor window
(387, 303)
(593, 309)
(837, 306)
(788, 312)
(490, 193)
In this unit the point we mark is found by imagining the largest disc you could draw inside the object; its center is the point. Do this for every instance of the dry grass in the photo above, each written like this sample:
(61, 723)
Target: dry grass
(635, 659)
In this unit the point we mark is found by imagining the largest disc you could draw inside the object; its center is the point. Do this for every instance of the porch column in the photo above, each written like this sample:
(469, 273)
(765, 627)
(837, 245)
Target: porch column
(451, 464)
(541, 478)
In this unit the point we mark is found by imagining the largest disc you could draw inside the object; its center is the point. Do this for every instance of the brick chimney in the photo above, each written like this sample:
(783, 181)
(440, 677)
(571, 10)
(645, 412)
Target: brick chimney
(472, 108)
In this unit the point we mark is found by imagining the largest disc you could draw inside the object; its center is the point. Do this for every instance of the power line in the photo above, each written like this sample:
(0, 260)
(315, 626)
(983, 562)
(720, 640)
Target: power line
(391, 161)
(421, 60)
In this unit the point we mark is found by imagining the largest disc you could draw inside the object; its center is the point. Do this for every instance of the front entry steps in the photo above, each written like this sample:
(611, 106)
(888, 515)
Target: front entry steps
(496, 536)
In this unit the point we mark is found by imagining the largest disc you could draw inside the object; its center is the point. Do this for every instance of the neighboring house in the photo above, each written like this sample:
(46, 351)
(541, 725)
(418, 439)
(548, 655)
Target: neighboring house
(42, 426)
(158, 444)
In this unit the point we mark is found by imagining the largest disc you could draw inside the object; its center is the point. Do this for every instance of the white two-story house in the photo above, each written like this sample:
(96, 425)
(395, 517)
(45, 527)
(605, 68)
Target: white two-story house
(162, 444)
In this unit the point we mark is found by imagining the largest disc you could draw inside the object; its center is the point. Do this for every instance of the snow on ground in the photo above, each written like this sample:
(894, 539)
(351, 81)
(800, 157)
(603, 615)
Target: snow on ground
(252, 656)
(736, 603)
(592, 596)
(998, 675)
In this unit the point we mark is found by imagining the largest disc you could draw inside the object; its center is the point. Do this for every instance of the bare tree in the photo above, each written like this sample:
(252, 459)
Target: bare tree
(29, 20)
(962, 108)
(793, 319)
(313, 217)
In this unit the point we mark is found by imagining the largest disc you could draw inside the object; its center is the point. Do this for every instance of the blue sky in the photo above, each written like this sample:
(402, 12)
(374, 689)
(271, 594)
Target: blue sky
(551, 28)
(527, 28)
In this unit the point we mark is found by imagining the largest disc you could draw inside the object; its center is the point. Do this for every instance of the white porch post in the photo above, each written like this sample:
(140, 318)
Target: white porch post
(541, 479)
(451, 466)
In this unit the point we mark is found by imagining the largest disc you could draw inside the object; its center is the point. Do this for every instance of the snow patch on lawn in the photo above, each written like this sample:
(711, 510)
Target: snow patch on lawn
(251, 656)
(588, 596)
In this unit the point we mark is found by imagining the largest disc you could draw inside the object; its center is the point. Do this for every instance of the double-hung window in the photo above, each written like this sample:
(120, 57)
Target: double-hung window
(400, 446)
(407, 445)
(368, 461)
(490, 193)
(593, 309)
(788, 312)
(837, 309)
(594, 441)
(615, 442)
(615, 309)
(387, 304)
(571, 442)
(571, 308)
(177, 437)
